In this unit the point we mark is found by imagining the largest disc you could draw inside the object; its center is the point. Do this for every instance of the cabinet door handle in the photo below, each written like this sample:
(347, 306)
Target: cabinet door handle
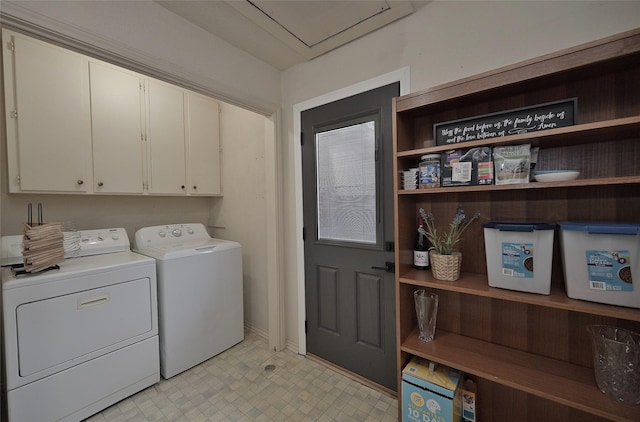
(80, 181)
(100, 184)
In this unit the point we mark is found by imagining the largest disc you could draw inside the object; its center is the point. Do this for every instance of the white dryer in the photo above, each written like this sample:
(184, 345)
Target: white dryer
(200, 295)
(82, 337)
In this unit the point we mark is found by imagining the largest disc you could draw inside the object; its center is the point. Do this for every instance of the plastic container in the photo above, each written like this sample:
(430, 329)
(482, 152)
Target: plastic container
(601, 262)
(510, 252)
(429, 174)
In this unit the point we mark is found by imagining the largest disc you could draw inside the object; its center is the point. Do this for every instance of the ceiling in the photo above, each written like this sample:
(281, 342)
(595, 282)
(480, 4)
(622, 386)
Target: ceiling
(286, 32)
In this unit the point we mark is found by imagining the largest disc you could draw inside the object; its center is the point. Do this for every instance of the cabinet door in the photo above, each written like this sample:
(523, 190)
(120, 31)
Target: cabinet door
(48, 122)
(117, 126)
(166, 147)
(203, 123)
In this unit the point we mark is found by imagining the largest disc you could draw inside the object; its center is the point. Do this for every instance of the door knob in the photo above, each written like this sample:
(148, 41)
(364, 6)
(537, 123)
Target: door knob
(388, 267)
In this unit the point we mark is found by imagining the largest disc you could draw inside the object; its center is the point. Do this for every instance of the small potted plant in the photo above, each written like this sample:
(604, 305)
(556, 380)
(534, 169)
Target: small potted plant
(445, 259)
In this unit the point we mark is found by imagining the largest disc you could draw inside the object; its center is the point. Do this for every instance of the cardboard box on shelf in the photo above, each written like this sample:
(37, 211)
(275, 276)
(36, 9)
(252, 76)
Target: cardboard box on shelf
(467, 166)
(468, 393)
(430, 394)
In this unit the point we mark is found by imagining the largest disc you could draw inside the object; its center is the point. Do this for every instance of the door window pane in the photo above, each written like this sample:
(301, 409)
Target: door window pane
(346, 183)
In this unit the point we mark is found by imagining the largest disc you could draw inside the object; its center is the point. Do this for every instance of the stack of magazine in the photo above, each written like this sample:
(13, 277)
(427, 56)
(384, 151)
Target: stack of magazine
(43, 245)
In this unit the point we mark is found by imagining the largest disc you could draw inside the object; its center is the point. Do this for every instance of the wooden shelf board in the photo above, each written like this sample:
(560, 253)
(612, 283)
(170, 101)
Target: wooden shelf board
(476, 284)
(518, 186)
(610, 129)
(558, 381)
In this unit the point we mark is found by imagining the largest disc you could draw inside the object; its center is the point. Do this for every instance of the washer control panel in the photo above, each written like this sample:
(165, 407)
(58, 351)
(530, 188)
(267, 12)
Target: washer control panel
(172, 235)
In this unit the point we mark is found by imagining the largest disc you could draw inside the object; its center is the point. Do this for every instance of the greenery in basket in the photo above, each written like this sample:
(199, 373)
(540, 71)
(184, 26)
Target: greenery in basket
(445, 243)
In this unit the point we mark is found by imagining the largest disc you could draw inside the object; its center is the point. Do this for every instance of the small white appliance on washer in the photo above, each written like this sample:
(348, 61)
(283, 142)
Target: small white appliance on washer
(82, 337)
(200, 307)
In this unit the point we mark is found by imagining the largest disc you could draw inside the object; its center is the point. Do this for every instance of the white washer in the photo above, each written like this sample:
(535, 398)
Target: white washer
(82, 337)
(200, 307)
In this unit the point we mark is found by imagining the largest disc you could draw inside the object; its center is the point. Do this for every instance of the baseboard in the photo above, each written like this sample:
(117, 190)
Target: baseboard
(290, 346)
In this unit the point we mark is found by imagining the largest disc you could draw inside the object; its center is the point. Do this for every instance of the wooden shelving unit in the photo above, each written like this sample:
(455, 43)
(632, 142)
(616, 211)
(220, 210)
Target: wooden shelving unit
(530, 354)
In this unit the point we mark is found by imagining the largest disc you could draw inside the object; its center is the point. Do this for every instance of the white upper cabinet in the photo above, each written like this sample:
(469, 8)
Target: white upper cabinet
(117, 117)
(183, 141)
(203, 133)
(166, 139)
(47, 117)
(80, 125)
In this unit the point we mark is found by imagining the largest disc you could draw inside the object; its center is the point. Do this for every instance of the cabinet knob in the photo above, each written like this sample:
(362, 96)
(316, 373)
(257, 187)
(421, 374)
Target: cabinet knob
(80, 181)
(100, 184)
(182, 187)
(195, 187)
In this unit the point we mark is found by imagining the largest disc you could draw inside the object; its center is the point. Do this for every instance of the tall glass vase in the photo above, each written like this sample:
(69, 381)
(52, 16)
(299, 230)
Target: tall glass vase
(427, 312)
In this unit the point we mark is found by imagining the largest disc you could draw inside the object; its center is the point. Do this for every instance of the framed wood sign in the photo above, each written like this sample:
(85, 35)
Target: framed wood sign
(522, 120)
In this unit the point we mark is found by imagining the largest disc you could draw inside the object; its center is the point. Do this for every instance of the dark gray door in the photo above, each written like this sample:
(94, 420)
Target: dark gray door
(348, 219)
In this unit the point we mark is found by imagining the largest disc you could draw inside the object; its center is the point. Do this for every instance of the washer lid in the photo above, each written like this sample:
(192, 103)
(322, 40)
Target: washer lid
(186, 248)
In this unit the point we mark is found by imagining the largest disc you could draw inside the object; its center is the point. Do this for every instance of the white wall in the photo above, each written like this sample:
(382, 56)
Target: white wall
(441, 42)
(95, 212)
(240, 213)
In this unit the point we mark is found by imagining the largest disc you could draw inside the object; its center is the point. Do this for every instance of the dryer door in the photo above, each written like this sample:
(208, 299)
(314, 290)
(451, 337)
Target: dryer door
(57, 330)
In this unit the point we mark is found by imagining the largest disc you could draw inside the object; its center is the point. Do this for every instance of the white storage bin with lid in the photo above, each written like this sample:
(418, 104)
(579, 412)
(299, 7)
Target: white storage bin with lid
(510, 251)
(601, 262)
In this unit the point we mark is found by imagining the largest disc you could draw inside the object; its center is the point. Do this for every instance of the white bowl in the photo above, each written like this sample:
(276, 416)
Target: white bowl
(556, 175)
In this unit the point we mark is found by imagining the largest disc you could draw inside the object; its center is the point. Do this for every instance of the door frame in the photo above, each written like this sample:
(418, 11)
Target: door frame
(401, 75)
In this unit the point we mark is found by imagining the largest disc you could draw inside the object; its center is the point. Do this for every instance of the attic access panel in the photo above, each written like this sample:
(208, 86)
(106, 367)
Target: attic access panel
(315, 27)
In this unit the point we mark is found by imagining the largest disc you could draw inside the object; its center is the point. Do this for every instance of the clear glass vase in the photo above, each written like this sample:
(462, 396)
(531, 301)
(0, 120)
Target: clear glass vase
(427, 313)
(616, 362)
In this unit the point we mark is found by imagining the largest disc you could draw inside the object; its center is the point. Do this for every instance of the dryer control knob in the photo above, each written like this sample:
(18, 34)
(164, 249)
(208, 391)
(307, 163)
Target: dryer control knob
(176, 232)
(161, 233)
(190, 230)
(115, 237)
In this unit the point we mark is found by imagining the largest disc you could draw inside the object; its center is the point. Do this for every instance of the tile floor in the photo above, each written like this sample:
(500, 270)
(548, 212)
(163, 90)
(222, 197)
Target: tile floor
(234, 386)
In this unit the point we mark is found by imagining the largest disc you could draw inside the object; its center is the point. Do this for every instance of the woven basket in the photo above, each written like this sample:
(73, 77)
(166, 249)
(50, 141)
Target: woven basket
(446, 267)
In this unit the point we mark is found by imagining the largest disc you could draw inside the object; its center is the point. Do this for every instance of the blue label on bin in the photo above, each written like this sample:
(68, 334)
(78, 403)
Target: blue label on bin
(517, 260)
(609, 270)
